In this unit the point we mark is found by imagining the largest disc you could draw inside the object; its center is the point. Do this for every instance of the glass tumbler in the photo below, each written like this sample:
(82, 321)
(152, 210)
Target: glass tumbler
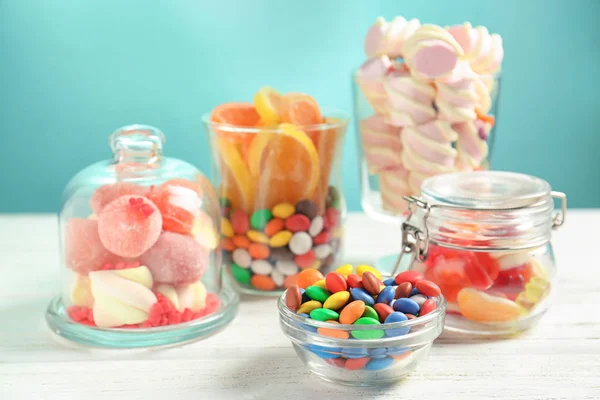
(281, 199)
(139, 259)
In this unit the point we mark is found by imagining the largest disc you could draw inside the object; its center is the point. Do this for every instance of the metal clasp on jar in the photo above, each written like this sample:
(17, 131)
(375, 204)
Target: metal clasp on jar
(415, 239)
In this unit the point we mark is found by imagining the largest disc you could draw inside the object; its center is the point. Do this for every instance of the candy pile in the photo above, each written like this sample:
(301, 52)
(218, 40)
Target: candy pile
(280, 215)
(361, 298)
(431, 92)
(488, 287)
(139, 258)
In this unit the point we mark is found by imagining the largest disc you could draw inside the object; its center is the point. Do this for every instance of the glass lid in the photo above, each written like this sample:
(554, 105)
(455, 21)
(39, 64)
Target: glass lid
(486, 190)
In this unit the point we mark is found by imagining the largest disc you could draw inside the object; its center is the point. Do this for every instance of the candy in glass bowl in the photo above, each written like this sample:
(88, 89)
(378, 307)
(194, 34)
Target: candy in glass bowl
(139, 250)
(357, 328)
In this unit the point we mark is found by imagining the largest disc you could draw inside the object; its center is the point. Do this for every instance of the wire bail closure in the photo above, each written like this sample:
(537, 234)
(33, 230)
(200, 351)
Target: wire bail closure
(415, 241)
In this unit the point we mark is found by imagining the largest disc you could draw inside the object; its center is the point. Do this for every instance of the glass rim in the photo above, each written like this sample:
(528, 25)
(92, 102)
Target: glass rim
(342, 119)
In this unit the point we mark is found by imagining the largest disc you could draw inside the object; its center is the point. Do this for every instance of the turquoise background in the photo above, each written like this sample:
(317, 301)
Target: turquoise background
(73, 71)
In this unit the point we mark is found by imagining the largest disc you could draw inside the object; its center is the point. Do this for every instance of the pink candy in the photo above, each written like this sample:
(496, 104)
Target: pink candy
(107, 193)
(129, 225)
(84, 251)
(176, 259)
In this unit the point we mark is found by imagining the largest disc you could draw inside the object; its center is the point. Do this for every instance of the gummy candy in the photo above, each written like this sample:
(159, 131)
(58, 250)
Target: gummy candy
(300, 109)
(179, 202)
(237, 181)
(107, 193)
(268, 103)
(129, 225)
(84, 251)
(289, 168)
(175, 259)
(481, 307)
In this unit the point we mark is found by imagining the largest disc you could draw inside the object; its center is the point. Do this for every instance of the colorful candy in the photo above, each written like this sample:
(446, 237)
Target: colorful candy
(129, 225)
(352, 312)
(84, 251)
(334, 301)
(179, 201)
(484, 287)
(176, 259)
(139, 259)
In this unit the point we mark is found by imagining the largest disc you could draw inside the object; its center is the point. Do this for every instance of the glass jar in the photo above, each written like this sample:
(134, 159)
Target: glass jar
(281, 199)
(139, 239)
(410, 129)
(484, 239)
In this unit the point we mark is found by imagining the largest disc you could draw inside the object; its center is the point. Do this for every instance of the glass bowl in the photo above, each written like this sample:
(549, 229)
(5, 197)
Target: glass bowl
(332, 352)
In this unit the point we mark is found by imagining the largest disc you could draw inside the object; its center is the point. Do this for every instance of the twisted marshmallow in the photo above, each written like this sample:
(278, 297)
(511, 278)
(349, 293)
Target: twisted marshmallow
(370, 78)
(409, 100)
(381, 143)
(393, 184)
(121, 296)
(483, 50)
(471, 144)
(457, 98)
(192, 296)
(428, 151)
(388, 37)
(432, 52)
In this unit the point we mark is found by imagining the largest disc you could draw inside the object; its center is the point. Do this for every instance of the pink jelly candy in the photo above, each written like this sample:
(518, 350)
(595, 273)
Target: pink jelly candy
(175, 259)
(84, 251)
(107, 193)
(179, 202)
(129, 225)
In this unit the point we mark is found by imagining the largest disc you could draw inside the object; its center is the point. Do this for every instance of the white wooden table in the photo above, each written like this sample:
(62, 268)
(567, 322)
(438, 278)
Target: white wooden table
(251, 358)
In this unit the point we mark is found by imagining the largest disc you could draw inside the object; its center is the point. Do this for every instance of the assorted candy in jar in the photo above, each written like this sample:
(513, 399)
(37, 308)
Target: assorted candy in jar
(426, 104)
(277, 164)
(484, 239)
(139, 239)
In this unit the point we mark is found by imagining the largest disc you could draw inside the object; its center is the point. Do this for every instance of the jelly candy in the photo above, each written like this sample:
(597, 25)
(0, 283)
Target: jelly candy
(236, 114)
(481, 307)
(268, 103)
(300, 109)
(107, 193)
(129, 225)
(237, 181)
(176, 259)
(84, 251)
(179, 202)
(289, 168)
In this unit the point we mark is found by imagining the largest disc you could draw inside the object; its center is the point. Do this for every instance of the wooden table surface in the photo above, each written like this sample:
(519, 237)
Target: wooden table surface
(252, 359)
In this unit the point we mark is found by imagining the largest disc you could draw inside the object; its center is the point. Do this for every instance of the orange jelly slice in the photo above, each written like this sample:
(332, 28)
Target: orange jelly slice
(481, 307)
(300, 109)
(268, 103)
(287, 168)
(243, 115)
(237, 181)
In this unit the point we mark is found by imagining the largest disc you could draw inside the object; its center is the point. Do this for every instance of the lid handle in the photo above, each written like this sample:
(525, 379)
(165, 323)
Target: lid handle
(137, 144)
